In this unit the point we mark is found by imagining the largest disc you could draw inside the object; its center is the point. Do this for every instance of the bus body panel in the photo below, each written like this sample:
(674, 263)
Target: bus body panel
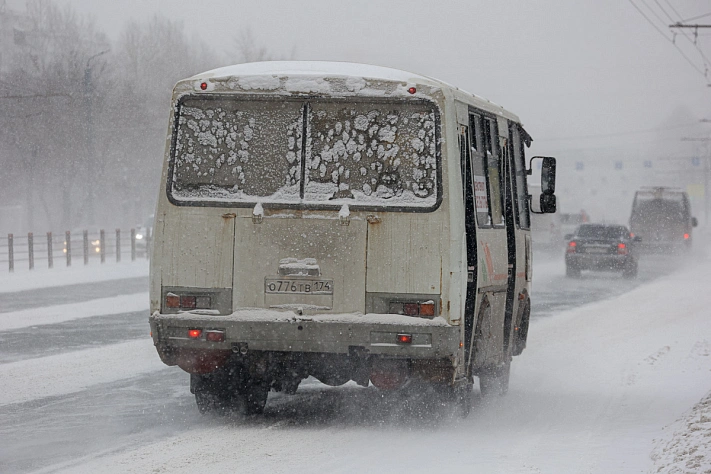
(338, 251)
(404, 253)
(194, 247)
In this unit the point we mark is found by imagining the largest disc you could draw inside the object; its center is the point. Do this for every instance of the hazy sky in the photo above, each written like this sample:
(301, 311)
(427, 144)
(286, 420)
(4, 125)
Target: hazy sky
(568, 69)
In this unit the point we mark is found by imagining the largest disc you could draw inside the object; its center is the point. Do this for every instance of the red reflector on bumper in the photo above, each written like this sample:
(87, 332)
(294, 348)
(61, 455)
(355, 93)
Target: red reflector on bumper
(194, 333)
(215, 336)
(404, 338)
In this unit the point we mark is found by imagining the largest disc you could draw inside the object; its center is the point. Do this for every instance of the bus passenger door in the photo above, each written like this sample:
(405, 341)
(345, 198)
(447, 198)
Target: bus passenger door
(519, 311)
(492, 245)
(470, 229)
(511, 237)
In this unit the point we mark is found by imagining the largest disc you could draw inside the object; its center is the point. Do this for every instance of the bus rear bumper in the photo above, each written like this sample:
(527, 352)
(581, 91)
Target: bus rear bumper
(274, 331)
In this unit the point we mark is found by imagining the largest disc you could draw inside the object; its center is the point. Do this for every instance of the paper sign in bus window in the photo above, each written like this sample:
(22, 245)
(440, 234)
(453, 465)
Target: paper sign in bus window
(482, 203)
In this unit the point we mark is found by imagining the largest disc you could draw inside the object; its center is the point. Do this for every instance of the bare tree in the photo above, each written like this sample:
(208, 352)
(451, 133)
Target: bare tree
(43, 103)
(248, 50)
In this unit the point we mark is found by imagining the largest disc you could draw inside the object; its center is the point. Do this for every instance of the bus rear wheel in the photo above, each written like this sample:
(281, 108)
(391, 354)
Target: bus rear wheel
(252, 398)
(209, 397)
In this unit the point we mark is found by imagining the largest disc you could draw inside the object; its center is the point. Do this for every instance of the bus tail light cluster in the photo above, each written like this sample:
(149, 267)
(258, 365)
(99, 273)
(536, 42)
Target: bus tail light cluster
(622, 249)
(187, 302)
(211, 335)
(425, 309)
(572, 247)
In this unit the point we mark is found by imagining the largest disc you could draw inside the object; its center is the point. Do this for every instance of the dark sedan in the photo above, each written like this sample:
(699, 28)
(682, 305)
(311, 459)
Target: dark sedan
(603, 248)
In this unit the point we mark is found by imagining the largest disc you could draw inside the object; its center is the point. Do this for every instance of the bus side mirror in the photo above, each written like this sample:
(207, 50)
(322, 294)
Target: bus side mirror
(694, 222)
(547, 176)
(548, 203)
(547, 199)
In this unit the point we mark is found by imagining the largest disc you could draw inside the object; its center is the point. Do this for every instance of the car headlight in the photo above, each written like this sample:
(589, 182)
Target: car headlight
(139, 236)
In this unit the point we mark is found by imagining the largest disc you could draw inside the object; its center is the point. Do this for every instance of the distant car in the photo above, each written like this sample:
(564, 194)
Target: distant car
(77, 242)
(601, 247)
(144, 232)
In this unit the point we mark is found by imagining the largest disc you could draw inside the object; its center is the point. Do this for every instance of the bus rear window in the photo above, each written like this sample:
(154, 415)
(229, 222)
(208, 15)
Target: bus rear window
(370, 154)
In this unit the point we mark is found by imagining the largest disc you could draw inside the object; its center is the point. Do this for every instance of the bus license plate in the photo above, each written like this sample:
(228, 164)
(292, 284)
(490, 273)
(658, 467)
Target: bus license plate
(298, 287)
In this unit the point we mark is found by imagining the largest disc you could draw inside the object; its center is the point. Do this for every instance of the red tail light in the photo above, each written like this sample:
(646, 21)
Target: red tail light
(187, 302)
(404, 338)
(172, 301)
(686, 236)
(426, 309)
(194, 333)
(622, 249)
(572, 247)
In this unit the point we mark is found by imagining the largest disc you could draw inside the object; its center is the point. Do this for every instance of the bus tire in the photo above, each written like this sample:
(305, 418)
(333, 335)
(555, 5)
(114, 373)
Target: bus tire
(521, 329)
(253, 398)
(208, 396)
(494, 381)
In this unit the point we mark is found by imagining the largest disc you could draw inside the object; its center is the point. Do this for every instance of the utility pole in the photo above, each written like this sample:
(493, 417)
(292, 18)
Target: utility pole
(88, 96)
(707, 172)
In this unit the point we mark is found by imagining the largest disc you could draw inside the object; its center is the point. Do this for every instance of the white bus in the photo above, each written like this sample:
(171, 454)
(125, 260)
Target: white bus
(341, 221)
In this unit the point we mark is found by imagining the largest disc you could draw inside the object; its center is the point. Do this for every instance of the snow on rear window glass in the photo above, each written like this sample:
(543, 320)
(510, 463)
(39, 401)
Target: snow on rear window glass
(238, 150)
(372, 153)
(357, 152)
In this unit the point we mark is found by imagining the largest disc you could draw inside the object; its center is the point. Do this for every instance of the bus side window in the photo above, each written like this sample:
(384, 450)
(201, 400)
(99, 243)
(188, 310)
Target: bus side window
(481, 194)
(523, 217)
(493, 168)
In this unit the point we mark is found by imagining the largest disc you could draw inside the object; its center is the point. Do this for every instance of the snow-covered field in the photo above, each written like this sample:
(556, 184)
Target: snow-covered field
(619, 385)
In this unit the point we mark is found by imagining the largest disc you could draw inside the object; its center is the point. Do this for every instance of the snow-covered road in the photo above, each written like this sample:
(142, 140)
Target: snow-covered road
(604, 386)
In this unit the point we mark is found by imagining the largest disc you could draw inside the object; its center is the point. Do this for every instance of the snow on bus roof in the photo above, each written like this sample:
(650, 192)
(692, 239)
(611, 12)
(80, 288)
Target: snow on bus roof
(318, 68)
(264, 74)
(329, 68)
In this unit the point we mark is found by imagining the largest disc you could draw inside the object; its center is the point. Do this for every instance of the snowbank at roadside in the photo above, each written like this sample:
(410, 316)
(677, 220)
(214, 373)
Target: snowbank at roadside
(687, 449)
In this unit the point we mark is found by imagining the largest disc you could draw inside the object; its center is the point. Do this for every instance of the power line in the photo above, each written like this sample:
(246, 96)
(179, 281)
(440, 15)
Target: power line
(696, 33)
(673, 9)
(696, 17)
(668, 39)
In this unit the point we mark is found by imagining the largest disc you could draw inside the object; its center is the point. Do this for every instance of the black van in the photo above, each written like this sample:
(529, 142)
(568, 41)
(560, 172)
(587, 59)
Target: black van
(661, 216)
